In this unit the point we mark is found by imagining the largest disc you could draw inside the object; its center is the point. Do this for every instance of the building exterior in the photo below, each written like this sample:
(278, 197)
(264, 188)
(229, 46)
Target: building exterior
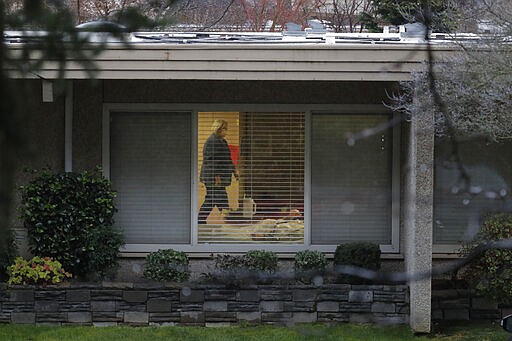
(321, 159)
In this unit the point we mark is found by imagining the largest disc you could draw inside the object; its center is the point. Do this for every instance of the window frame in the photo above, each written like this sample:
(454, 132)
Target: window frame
(308, 109)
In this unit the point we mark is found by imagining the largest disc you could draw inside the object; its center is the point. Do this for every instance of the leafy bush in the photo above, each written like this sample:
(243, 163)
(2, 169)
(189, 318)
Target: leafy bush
(308, 264)
(260, 260)
(167, 265)
(36, 271)
(255, 265)
(8, 253)
(69, 216)
(254, 260)
(360, 254)
(490, 274)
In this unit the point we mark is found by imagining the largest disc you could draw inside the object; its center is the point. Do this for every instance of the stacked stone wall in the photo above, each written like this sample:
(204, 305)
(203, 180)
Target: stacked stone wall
(203, 305)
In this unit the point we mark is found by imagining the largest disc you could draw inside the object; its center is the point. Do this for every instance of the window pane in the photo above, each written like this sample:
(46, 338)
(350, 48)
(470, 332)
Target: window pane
(150, 170)
(458, 214)
(266, 203)
(350, 184)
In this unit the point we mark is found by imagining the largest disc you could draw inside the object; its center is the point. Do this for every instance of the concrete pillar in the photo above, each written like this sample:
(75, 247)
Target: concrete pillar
(418, 217)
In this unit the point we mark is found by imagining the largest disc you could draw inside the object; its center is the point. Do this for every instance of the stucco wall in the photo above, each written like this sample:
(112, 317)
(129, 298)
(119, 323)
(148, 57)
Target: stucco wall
(41, 128)
(279, 92)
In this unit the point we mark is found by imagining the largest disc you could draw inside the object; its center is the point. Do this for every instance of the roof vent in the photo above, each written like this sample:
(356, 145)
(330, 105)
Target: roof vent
(414, 31)
(293, 29)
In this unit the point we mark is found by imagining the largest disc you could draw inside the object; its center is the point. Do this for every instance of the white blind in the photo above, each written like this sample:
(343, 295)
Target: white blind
(350, 184)
(150, 170)
(267, 203)
(458, 214)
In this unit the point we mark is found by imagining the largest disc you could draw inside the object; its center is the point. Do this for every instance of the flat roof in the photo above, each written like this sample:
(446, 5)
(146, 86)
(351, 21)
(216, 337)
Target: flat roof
(298, 55)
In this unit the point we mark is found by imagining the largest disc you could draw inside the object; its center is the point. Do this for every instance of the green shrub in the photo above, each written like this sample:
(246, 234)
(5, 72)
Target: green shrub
(167, 265)
(8, 253)
(361, 254)
(490, 274)
(308, 264)
(36, 271)
(260, 260)
(254, 260)
(255, 265)
(69, 216)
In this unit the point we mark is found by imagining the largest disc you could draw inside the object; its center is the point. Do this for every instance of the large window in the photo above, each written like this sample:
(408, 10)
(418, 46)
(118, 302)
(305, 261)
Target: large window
(264, 187)
(460, 203)
(224, 180)
(351, 191)
(150, 170)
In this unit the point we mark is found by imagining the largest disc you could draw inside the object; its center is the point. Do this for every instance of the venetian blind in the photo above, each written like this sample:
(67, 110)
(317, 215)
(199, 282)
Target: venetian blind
(350, 184)
(268, 204)
(150, 170)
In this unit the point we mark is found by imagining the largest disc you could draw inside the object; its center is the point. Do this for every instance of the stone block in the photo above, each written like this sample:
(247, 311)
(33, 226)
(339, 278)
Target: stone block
(456, 314)
(107, 316)
(46, 306)
(18, 307)
(299, 306)
(304, 295)
(192, 296)
(219, 295)
(356, 307)
(383, 307)
(157, 305)
(215, 306)
(78, 295)
(219, 316)
(106, 295)
(79, 317)
(23, 318)
(164, 317)
(328, 306)
(53, 295)
(248, 296)
(304, 317)
(103, 306)
(75, 306)
(135, 296)
(243, 306)
(124, 306)
(333, 295)
(52, 317)
(360, 296)
(5, 317)
(276, 318)
(276, 295)
(193, 317)
(117, 285)
(333, 317)
(272, 306)
(188, 307)
(136, 317)
(23, 295)
(389, 296)
(252, 317)
(172, 295)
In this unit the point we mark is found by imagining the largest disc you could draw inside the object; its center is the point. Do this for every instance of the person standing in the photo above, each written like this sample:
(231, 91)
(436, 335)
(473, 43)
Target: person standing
(216, 170)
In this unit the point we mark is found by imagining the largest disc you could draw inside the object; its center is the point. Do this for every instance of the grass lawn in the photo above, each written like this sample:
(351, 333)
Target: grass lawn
(346, 332)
